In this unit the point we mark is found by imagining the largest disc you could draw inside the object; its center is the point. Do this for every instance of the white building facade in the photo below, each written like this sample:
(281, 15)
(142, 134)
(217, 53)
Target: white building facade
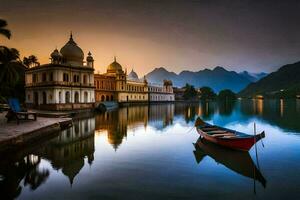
(65, 83)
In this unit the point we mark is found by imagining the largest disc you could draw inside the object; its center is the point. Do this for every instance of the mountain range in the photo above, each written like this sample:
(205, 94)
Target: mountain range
(283, 82)
(217, 78)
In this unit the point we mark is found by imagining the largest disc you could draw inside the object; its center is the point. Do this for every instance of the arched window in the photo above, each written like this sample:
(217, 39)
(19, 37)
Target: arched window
(44, 77)
(67, 97)
(111, 97)
(85, 97)
(74, 78)
(102, 98)
(84, 79)
(107, 98)
(51, 76)
(76, 97)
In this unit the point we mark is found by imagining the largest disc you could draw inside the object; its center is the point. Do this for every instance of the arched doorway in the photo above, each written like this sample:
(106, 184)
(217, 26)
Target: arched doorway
(102, 98)
(44, 98)
(67, 97)
(85, 97)
(76, 97)
(107, 98)
(111, 97)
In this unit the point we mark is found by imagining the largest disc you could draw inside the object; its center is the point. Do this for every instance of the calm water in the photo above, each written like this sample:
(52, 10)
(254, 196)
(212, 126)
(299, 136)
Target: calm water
(153, 152)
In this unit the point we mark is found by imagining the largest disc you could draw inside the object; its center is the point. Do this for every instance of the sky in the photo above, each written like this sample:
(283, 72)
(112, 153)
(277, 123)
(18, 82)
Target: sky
(179, 35)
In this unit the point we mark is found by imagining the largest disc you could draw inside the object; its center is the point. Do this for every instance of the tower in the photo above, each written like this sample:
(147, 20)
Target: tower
(90, 60)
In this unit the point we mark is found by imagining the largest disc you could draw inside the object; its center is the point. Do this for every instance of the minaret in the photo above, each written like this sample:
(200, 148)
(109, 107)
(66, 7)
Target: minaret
(90, 60)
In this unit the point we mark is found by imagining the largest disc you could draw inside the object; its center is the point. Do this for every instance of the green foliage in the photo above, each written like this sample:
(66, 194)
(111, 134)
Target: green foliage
(189, 92)
(12, 74)
(3, 30)
(284, 83)
(207, 93)
(30, 61)
(226, 95)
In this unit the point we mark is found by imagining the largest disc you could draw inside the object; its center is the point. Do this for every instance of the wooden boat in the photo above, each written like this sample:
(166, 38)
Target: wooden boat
(237, 161)
(226, 137)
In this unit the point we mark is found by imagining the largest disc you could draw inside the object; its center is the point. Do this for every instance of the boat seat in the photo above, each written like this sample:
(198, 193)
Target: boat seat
(229, 136)
(209, 129)
(217, 131)
(223, 135)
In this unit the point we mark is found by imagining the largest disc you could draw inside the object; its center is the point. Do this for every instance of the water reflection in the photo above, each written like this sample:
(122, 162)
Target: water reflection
(237, 161)
(12, 173)
(68, 150)
(116, 123)
(67, 154)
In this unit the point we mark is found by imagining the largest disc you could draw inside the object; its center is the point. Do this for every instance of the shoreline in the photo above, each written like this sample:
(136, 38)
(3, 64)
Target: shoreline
(13, 136)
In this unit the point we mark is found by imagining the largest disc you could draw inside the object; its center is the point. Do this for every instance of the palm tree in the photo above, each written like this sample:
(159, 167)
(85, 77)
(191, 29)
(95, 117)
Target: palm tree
(3, 31)
(10, 69)
(26, 62)
(33, 60)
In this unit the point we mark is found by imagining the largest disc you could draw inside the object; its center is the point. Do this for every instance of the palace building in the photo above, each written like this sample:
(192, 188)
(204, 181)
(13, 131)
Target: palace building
(116, 85)
(66, 83)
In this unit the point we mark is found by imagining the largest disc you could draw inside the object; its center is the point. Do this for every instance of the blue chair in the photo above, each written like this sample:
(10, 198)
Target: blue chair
(16, 111)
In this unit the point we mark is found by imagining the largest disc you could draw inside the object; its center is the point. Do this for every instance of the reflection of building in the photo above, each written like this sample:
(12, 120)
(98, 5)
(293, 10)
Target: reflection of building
(118, 122)
(116, 85)
(68, 150)
(65, 83)
(179, 92)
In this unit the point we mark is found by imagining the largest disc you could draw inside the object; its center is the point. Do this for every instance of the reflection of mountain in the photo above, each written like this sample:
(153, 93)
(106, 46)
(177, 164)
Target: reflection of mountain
(282, 113)
(237, 161)
(118, 122)
(68, 150)
(12, 174)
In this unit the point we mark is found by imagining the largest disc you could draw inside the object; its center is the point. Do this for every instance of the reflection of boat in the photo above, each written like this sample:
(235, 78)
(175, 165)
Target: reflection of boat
(238, 161)
(226, 137)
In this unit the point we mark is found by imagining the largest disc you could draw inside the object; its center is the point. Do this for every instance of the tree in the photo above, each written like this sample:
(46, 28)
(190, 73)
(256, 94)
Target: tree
(3, 30)
(189, 92)
(12, 72)
(207, 93)
(31, 61)
(226, 95)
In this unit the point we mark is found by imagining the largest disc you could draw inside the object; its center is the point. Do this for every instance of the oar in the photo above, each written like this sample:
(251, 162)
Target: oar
(255, 145)
(254, 178)
(262, 143)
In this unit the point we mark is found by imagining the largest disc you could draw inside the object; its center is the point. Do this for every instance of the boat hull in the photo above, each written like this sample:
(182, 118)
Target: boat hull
(242, 144)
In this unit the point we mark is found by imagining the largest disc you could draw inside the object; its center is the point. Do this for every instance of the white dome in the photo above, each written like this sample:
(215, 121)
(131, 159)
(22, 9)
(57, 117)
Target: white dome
(72, 53)
(133, 76)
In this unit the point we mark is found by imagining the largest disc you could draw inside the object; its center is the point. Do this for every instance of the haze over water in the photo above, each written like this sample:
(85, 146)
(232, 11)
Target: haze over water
(153, 152)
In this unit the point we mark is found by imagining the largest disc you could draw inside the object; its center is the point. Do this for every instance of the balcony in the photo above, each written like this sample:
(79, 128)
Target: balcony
(60, 83)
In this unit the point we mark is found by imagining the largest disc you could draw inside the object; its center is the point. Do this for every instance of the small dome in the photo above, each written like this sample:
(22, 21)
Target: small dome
(114, 67)
(89, 58)
(132, 75)
(72, 53)
(55, 54)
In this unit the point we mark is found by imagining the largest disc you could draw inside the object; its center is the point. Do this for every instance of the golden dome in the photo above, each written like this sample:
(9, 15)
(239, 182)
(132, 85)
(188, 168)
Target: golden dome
(72, 53)
(114, 67)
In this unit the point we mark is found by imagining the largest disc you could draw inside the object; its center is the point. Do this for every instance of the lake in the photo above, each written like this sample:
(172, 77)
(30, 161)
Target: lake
(154, 152)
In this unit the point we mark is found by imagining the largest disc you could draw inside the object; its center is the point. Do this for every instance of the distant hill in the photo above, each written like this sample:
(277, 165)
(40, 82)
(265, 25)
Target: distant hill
(285, 81)
(253, 77)
(218, 78)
